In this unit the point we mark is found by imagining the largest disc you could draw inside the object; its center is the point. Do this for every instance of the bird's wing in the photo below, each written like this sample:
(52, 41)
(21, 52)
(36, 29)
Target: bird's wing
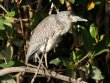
(44, 30)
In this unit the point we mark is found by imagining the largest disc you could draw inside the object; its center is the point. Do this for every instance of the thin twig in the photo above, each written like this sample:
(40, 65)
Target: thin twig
(87, 55)
(51, 8)
(20, 18)
(18, 77)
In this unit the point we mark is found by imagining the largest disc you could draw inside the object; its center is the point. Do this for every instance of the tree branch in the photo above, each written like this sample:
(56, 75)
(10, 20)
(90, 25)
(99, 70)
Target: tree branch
(42, 72)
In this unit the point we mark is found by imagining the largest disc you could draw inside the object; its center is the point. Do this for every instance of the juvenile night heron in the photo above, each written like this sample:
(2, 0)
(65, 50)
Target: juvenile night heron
(48, 31)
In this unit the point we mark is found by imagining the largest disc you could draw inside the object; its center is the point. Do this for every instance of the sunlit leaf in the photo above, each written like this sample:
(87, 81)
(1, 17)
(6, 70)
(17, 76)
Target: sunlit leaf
(12, 13)
(90, 5)
(1, 25)
(96, 73)
(7, 79)
(9, 19)
(12, 64)
(56, 61)
(93, 30)
(62, 1)
(102, 37)
(8, 24)
(73, 55)
(6, 65)
(72, 1)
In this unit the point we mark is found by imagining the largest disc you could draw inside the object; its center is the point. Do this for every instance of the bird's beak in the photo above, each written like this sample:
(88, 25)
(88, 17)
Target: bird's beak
(76, 18)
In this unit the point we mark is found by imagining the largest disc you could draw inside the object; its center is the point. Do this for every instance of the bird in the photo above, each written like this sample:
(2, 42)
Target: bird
(46, 34)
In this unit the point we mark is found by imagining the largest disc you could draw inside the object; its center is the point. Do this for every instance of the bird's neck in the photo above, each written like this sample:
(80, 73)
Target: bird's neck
(67, 26)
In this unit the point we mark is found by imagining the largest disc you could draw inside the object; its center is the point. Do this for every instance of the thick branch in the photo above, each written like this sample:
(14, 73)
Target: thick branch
(42, 72)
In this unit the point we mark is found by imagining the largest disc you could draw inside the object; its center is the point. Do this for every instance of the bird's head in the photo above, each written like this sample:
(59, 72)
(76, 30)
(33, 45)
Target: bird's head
(67, 16)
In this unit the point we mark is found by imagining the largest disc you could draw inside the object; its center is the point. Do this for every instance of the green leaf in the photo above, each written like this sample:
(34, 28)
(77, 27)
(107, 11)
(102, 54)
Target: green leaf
(68, 64)
(74, 56)
(62, 1)
(8, 24)
(93, 30)
(95, 73)
(102, 37)
(56, 61)
(72, 1)
(100, 48)
(87, 68)
(87, 39)
(2, 35)
(1, 25)
(18, 42)
(12, 64)
(9, 19)
(7, 79)
(97, 2)
(9, 29)
(71, 73)
(9, 64)
(8, 52)
(12, 13)
(108, 42)
(1, 55)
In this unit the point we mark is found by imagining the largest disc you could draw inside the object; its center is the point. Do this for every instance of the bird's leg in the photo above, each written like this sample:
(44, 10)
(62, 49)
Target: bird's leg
(26, 62)
(45, 52)
(45, 57)
(37, 57)
(40, 62)
(50, 44)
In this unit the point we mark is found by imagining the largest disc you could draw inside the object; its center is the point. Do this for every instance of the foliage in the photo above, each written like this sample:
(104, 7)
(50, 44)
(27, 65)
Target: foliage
(91, 39)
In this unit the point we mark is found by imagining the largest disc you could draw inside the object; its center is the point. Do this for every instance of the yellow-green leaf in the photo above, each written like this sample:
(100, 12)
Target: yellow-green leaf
(9, 19)
(1, 25)
(90, 5)
(56, 61)
(101, 37)
(62, 1)
(72, 1)
(93, 30)
(12, 13)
